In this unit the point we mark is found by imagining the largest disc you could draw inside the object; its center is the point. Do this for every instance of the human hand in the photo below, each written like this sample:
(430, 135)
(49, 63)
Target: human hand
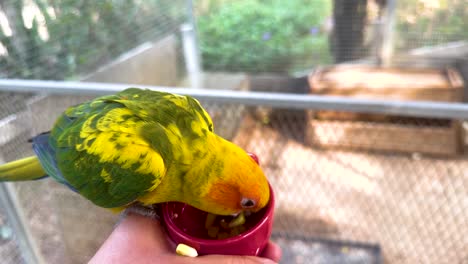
(139, 239)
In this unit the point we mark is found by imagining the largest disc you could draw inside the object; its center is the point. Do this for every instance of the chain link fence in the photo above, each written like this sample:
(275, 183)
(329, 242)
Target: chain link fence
(351, 187)
(262, 36)
(425, 23)
(335, 204)
(9, 250)
(60, 40)
(42, 39)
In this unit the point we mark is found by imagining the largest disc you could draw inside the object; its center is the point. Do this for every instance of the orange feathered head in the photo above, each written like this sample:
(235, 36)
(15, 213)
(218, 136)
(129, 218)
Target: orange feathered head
(234, 182)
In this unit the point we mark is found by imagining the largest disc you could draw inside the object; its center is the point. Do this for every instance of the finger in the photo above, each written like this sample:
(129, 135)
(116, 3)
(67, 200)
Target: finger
(145, 232)
(216, 259)
(272, 251)
(136, 236)
(271, 254)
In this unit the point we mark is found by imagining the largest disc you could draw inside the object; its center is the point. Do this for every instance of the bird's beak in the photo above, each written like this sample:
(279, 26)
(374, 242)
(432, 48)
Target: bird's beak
(236, 214)
(246, 213)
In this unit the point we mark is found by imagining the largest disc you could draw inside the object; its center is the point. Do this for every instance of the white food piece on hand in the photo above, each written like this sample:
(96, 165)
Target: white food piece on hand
(187, 251)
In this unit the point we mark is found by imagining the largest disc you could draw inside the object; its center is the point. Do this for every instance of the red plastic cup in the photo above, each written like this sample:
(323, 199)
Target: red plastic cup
(186, 224)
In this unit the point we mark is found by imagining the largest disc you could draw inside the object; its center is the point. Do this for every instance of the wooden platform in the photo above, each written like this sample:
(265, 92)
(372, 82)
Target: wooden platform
(361, 135)
(379, 132)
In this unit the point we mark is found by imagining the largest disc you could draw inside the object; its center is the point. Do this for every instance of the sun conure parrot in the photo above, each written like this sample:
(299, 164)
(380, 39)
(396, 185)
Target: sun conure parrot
(145, 147)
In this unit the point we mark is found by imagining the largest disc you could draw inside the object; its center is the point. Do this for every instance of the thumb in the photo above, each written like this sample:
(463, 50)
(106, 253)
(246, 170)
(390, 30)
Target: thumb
(232, 259)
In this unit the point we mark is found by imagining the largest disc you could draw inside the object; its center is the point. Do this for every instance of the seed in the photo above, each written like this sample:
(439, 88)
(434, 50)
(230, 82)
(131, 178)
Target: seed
(239, 220)
(210, 219)
(213, 231)
(223, 235)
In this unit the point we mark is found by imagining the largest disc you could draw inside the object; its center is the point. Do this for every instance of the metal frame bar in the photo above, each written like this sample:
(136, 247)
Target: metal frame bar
(277, 100)
(16, 219)
(387, 48)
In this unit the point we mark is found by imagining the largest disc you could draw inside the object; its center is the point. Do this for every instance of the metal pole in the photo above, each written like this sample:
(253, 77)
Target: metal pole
(191, 50)
(388, 27)
(191, 57)
(16, 219)
(277, 100)
(193, 21)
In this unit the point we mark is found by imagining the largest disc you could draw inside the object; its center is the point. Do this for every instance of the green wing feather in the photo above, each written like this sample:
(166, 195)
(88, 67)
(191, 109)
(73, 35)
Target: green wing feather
(118, 148)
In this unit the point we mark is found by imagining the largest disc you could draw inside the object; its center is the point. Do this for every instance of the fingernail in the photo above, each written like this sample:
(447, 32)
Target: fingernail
(267, 261)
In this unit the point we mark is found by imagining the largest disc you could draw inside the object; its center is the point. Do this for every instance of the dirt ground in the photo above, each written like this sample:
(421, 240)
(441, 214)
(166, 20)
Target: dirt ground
(414, 207)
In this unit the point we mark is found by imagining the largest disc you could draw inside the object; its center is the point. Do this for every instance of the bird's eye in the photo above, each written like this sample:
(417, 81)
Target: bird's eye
(247, 203)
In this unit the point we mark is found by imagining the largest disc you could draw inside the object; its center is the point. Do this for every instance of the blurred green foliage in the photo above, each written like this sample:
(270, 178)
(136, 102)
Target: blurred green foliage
(425, 23)
(242, 35)
(82, 34)
(264, 36)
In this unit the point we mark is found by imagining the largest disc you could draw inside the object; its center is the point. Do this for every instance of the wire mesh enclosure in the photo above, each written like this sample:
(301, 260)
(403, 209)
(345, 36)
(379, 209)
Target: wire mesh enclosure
(356, 181)
(245, 36)
(65, 40)
(9, 250)
(428, 23)
(70, 40)
(347, 206)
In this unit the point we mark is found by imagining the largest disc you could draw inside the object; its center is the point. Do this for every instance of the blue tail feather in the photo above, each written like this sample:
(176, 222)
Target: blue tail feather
(46, 156)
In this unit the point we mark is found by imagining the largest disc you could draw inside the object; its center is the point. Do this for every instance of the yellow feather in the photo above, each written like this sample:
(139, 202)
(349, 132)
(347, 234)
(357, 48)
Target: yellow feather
(114, 140)
(197, 128)
(182, 152)
(106, 176)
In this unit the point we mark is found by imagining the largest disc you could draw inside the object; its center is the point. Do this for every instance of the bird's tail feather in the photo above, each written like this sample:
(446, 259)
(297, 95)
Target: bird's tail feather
(22, 170)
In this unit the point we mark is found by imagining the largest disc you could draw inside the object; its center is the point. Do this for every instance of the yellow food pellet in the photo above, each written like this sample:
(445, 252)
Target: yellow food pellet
(239, 220)
(187, 251)
(234, 232)
(223, 235)
(213, 231)
(210, 219)
(221, 228)
(224, 224)
(242, 229)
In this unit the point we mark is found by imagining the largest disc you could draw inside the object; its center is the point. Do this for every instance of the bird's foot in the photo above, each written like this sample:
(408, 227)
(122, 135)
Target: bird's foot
(150, 211)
